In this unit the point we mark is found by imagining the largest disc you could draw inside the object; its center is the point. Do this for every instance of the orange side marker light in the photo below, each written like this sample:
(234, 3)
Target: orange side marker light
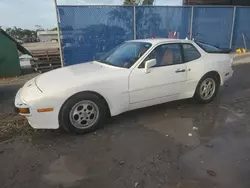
(45, 110)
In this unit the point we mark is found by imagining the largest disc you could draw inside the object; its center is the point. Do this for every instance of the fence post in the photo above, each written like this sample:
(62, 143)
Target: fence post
(134, 23)
(191, 23)
(244, 41)
(232, 31)
(59, 34)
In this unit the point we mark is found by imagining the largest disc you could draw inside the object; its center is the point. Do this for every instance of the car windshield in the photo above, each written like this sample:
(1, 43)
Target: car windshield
(126, 54)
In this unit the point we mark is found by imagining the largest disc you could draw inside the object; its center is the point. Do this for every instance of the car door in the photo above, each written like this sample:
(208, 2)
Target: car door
(164, 81)
(195, 68)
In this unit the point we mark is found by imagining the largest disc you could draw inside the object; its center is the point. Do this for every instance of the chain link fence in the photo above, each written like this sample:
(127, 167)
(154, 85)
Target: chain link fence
(88, 32)
(241, 29)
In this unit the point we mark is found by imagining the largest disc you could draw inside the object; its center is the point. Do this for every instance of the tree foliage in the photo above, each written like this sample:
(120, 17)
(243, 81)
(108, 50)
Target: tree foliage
(53, 29)
(25, 35)
(148, 2)
(129, 2)
(138, 2)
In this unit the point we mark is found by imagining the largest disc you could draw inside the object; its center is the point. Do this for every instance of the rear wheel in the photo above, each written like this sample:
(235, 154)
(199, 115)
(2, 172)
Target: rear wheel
(207, 88)
(82, 113)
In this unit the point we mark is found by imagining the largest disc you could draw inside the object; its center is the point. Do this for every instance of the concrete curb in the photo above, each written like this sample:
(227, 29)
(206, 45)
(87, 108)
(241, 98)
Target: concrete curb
(240, 62)
(241, 58)
(237, 56)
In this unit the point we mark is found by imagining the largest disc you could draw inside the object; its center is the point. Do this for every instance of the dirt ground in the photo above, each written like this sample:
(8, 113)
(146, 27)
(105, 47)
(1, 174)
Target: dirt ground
(174, 145)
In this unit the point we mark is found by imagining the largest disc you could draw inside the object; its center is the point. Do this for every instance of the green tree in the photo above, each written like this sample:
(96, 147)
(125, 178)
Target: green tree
(148, 2)
(25, 35)
(138, 2)
(126, 2)
(53, 29)
(129, 2)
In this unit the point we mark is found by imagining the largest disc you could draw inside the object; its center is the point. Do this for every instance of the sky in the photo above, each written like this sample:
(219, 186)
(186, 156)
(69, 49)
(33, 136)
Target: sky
(29, 13)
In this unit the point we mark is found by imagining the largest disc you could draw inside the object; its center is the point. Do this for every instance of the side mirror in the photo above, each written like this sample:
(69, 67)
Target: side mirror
(149, 64)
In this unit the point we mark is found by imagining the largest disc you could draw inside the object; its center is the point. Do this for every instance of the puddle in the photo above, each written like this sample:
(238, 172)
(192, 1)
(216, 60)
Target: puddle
(238, 114)
(65, 172)
(228, 158)
(181, 129)
(208, 120)
(230, 120)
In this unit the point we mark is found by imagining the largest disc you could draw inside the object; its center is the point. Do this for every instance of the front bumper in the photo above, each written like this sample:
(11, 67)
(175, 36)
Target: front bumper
(19, 103)
(47, 120)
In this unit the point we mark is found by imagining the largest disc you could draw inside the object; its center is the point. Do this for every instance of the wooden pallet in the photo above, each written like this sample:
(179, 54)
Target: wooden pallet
(37, 63)
(43, 66)
(45, 60)
(46, 55)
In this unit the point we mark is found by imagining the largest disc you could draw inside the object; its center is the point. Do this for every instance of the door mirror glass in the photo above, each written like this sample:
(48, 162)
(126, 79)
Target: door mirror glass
(148, 64)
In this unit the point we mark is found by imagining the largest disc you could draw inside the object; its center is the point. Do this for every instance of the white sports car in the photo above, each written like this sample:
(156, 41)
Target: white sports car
(134, 75)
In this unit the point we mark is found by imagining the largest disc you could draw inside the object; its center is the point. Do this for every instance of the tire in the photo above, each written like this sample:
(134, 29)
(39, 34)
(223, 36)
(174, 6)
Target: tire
(83, 113)
(202, 91)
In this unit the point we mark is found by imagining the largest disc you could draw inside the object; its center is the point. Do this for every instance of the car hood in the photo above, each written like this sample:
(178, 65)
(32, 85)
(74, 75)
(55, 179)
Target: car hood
(77, 75)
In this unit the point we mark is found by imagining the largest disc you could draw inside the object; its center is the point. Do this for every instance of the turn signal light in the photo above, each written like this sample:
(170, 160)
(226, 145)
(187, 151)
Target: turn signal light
(45, 110)
(24, 110)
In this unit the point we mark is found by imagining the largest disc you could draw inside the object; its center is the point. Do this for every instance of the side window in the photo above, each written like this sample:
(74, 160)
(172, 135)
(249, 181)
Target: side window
(190, 53)
(165, 55)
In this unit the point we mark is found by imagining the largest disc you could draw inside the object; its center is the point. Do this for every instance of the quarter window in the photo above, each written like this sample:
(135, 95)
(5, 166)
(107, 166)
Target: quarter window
(190, 53)
(165, 55)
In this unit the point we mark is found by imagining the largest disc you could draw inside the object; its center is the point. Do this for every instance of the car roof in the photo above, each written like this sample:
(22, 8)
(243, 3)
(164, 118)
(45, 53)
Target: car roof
(155, 41)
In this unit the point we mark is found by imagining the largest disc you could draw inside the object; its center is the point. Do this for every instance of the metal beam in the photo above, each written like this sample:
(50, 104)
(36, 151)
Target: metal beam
(232, 30)
(191, 24)
(244, 40)
(59, 34)
(134, 12)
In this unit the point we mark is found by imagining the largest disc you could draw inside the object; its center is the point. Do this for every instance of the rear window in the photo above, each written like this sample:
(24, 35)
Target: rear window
(209, 48)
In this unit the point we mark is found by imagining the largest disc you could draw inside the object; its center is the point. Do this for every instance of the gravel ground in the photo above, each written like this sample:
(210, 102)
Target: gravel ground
(179, 144)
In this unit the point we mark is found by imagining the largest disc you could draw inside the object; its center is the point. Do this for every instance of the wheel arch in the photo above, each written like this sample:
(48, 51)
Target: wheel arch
(214, 73)
(90, 92)
(210, 74)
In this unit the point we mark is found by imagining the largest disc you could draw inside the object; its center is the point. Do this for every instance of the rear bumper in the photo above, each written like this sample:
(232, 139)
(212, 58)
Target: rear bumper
(227, 75)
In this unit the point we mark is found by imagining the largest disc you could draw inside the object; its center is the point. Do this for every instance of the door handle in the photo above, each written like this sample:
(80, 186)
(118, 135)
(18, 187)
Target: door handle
(180, 70)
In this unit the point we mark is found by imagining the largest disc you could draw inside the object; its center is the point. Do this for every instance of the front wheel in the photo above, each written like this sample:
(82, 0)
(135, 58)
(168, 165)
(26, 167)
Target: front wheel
(82, 113)
(207, 89)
